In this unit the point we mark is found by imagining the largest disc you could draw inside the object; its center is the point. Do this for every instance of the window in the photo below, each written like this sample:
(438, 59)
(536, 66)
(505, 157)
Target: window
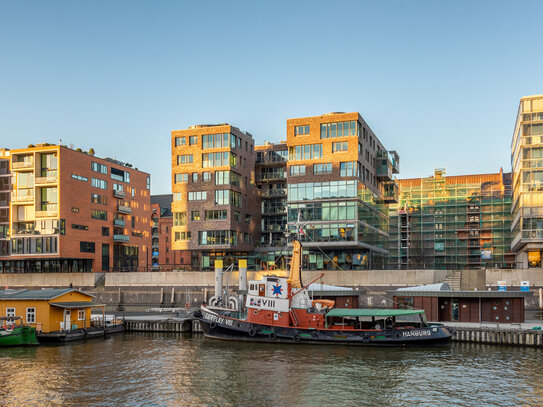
(75, 210)
(347, 169)
(340, 129)
(80, 227)
(105, 231)
(325, 168)
(220, 214)
(341, 146)
(177, 196)
(220, 159)
(194, 177)
(299, 130)
(99, 183)
(180, 218)
(184, 159)
(79, 178)
(217, 237)
(31, 315)
(227, 178)
(101, 215)
(296, 170)
(86, 247)
(148, 182)
(198, 196)
(193, 140)
(228, 197)
(237, 216)
(81, 315)
(118, 187)
(305, 152)
(206, 176)
(195, 216)
(99, 199)
(133, 221)
(217, 140)
(181, 236)
(180, 141)
(178, 178)
(102, 169)
(248, 218)
(10, 312)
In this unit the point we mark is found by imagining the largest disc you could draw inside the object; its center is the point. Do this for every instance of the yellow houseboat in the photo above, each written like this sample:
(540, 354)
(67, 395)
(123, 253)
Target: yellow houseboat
(59, 315)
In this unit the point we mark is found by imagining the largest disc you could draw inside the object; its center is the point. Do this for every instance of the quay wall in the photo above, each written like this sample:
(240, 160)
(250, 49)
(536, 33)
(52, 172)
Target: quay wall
(160, 289)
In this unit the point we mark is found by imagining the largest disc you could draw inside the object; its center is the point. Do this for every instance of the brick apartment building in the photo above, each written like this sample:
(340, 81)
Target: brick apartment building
(73, 212)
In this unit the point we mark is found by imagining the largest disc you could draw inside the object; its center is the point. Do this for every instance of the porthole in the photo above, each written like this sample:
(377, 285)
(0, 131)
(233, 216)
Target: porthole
(256, 312)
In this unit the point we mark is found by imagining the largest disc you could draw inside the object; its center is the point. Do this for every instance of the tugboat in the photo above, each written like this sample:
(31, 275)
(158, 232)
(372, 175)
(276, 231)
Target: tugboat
(280, 310)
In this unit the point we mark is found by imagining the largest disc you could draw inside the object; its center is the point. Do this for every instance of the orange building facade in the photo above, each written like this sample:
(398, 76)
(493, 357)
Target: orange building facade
(73, 212)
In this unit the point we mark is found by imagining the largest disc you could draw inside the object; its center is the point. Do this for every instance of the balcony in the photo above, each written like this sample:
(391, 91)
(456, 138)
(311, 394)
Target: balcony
(391, 191)
(22, 165)
(395, 157)
(274, 192)
(121, 238)
(48, 180)
(124, 209)
(384, 169)
(46, 214)
(119, 194)
(271, 177)
(22, 196)
(118, 222)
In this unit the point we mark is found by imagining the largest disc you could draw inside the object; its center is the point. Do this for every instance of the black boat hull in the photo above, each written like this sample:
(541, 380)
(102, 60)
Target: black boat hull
(237, 330)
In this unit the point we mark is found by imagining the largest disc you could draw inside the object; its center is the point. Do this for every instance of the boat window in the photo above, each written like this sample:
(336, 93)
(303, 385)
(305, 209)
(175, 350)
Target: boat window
(262, 290)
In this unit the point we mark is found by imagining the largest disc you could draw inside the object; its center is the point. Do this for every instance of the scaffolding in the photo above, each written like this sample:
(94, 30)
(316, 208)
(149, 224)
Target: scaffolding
(458, 222)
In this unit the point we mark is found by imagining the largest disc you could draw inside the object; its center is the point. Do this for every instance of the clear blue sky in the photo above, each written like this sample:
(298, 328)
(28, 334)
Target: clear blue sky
(437, 81)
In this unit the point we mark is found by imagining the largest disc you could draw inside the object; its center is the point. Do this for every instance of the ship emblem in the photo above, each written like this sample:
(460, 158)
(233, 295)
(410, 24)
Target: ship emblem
(277, 290)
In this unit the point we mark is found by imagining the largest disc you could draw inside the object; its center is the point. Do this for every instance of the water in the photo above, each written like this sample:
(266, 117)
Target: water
(136, 369)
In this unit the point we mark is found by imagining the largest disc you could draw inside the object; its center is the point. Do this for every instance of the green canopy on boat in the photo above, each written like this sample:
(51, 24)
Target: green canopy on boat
(358, 312)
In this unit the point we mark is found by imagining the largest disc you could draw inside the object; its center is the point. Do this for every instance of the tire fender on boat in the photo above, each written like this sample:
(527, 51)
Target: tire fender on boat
(296, 338)
(252, 332)
(366, 339)
(212, 325)
(273, 336)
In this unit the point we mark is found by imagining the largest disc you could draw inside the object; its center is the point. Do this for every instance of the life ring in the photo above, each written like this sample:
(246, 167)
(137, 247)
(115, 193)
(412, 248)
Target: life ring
(366, 339)
(272, 335)
(187, 305)
(296, 338)
(252, 332)
(213, 325)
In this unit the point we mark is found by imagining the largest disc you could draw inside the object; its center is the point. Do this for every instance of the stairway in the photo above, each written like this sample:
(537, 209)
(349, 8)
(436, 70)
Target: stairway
(454, 279)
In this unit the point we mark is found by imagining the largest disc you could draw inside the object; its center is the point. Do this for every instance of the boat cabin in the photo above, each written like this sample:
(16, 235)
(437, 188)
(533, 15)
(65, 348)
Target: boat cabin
(375, 319)
(49, 310)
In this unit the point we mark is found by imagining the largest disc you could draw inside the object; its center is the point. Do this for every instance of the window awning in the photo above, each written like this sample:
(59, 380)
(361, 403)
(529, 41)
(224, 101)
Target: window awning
(76, 304)
(356, 312)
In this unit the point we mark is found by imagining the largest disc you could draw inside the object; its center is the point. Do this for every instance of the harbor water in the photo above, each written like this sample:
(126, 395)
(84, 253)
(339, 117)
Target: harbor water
(151, 369)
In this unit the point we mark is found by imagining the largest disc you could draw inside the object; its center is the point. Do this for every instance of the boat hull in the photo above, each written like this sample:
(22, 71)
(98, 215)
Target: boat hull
(219, 327)
(20, 336)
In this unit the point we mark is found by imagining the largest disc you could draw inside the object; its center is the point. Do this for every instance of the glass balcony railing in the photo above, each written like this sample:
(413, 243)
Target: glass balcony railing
(121, 238)
(118, 222)
(17, 165)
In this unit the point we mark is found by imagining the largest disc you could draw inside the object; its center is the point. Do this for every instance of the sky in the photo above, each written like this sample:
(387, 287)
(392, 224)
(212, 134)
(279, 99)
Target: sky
(439, 82)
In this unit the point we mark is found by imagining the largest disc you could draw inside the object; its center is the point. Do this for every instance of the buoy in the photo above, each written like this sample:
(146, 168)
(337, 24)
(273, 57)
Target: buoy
(187, 305)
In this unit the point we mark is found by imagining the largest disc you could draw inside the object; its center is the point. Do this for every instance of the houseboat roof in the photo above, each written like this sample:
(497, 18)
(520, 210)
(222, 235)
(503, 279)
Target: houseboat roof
(76, 304)
(364, 312)
(461, 294)
(43, 294)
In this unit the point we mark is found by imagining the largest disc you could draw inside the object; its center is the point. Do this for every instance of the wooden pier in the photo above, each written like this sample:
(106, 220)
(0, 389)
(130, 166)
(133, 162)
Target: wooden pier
(497, 336)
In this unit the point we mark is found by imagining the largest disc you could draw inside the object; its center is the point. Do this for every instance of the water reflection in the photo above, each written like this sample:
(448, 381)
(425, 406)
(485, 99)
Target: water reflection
(158, 369)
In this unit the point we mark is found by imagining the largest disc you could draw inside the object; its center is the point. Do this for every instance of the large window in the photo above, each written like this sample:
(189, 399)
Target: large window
(179, 218)
(96, 167)
(340, 129)
(220, 214)
(227, 178)
(297, 170)
(228, 197)
(325, 168)
(217, 237)
(305, 152)
(178, 178)
(86, 247)
(184, 159)
(180, 141)
(348, 169)
(340, 146)
(221, 159)
(101, 215)
(220, 141)
(322, 190)
(98, 183)
(198, 196)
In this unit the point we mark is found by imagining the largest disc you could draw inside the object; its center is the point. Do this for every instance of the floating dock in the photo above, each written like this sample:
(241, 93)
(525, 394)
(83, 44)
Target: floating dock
(497, 336)
(163, 325)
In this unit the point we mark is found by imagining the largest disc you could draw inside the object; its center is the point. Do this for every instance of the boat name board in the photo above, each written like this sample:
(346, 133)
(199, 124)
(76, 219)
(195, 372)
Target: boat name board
(417, 333)
(217, 319)
(272, 304)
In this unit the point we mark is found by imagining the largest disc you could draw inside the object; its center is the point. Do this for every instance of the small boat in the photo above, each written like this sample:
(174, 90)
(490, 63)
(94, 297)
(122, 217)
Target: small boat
(13, 332)
(280, 310)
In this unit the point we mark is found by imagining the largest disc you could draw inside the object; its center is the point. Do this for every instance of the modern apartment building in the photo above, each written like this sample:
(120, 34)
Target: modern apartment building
(271, 179)
(527, 165)
(452, 222)
(216, 205)
(164, 258)
(71, 211)
(5, 195)
(340, 180)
